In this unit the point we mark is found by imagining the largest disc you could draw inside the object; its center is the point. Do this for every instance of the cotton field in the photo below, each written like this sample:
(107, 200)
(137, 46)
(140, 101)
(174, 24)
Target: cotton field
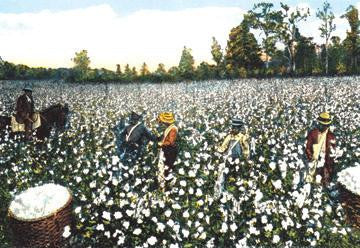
(266, 201)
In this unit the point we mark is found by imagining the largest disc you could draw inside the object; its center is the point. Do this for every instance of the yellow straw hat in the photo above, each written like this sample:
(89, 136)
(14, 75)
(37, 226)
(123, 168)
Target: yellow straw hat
(324, 118)
(166, 117)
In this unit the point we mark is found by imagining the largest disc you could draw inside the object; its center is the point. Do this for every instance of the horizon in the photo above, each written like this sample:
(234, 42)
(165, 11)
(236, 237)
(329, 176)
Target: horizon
(133, 33)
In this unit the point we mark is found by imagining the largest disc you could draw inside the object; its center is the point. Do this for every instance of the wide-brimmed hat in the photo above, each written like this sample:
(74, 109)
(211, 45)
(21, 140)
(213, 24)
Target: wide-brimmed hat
(324, 118)
(166, 117)
(236, 123)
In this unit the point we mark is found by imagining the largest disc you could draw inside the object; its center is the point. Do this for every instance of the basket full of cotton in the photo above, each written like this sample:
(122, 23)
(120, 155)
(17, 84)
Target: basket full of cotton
(41, 216)
(349, 180)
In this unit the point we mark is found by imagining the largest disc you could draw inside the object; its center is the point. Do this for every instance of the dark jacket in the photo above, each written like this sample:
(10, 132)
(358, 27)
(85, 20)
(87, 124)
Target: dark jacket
(133, 142)
(24, 107)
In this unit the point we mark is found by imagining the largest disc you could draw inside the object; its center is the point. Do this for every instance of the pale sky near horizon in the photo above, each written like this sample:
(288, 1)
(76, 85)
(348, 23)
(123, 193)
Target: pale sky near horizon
(48, 33)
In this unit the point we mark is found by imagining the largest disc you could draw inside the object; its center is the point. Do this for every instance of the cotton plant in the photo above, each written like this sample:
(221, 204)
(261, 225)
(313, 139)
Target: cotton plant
(265, 201)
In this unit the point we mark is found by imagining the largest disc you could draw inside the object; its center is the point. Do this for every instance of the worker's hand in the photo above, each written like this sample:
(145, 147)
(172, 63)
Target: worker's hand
(160, 144)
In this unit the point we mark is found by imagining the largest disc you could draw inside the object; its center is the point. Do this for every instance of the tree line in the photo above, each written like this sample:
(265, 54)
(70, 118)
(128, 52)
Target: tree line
(244, 56)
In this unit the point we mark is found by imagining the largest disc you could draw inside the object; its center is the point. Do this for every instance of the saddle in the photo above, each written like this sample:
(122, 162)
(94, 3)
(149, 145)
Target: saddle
(20, 127)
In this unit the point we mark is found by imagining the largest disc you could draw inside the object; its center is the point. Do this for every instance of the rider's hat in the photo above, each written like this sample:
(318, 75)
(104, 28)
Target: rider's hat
(324, 118)
(27, 88)
(166, 117)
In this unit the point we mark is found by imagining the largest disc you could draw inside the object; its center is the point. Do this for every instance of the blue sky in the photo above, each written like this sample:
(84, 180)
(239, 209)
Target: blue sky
(128, 6)
(49, 32)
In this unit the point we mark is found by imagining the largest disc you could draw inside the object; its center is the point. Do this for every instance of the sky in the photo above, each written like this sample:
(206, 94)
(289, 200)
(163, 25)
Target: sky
(47, 33)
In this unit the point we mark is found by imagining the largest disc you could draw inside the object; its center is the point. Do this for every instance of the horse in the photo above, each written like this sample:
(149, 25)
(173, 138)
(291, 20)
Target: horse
(54, 116)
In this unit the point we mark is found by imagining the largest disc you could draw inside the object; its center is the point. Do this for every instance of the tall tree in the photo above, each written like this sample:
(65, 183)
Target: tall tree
(337, 56)
(161, 69)
(326, 28)
(128, 75)
(287, 30)
(118, 69)
(204, 71)
(186, 64)
(306, 58)
(218, 57)
(351, 41)
(81, 65)
(144, 70)
(134, 72)
(265, 19)
(242, 50)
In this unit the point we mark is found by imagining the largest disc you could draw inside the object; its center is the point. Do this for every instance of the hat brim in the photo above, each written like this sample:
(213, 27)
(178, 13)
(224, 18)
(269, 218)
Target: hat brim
(324, 122)
(167, 121)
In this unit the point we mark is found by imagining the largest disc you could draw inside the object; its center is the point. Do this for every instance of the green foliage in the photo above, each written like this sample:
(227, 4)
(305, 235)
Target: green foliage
(327, 27)
(186, 64)
(81, 66)
(264, 18)
(205, 71)
(352, 37)
(287, 30)
(306, 57)
(242, 50)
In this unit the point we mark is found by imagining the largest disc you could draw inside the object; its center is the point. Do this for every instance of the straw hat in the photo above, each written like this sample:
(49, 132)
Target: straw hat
(324, 118)
(166, 117)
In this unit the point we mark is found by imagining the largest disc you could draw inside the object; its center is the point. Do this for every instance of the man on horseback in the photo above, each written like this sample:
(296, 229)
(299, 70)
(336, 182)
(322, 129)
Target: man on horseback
(134, 137)
(25, 110)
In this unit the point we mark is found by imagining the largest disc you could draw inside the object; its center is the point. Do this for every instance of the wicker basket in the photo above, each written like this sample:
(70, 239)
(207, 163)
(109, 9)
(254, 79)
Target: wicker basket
(351, 204)
(42, 232)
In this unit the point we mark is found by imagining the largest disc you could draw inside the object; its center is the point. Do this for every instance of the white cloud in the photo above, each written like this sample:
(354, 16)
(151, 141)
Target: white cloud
(49, 38)
(152, 36)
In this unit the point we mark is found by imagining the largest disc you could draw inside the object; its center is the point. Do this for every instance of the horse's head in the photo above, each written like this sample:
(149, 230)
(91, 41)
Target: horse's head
(64, 117)
(57, 115)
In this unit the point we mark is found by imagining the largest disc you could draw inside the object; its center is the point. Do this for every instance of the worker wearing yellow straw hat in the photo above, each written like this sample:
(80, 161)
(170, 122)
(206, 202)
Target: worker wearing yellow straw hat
(320, 142)
(169, 149)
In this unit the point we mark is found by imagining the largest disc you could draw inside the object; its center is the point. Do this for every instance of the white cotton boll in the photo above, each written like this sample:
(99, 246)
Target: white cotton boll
(224, 228)
(277, 184)
(115, 160)
(100, 227)
(264, 219)
(192, 173)
(183, 183)
(168, 213)
(272, 165)
(66, 232)
(106, 215)
(276, 239)
(318, 179)
(170, 223)
(137, 231)
(185, 233)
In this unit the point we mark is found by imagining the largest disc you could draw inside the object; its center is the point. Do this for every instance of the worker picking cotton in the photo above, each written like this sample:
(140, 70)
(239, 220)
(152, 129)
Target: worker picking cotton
(236, 143)
(319, 144)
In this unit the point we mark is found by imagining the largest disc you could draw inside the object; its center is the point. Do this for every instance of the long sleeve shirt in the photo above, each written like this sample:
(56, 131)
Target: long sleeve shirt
(238, 143)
